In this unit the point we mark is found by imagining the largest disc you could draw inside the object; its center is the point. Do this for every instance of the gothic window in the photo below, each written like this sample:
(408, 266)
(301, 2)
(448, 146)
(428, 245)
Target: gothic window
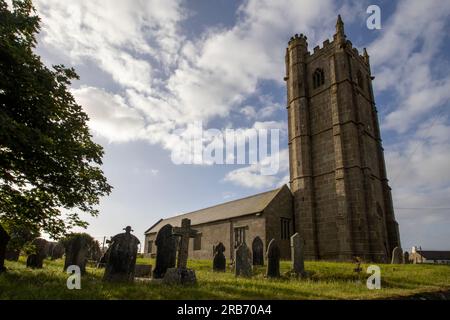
(360, 79)
(198, 242)
(318, 78)
(285, 228)
(239, 236)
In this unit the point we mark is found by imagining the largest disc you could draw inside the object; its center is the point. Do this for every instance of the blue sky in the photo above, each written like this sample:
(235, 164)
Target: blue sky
(150, 67)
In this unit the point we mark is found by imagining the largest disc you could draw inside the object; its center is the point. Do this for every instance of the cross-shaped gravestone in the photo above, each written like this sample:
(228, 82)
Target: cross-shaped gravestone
(185, 232)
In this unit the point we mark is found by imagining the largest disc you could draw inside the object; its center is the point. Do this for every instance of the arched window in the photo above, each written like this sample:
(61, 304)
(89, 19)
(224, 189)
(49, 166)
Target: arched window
(360, 80)
(318, 78)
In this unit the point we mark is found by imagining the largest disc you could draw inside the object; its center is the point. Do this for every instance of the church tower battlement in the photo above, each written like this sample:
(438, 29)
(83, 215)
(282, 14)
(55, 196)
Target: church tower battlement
(342, 200)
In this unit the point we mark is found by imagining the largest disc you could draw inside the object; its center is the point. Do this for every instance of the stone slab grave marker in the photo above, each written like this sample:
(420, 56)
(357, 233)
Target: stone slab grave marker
(166, 251)
(406, 257)
(36, 259)
(76, 247)
(297, 255)
(243, 262)
(258, 252)
(121, 258)
(181, 274)
(219, 262)
(273, 260)
(143, 271)
(397, 256)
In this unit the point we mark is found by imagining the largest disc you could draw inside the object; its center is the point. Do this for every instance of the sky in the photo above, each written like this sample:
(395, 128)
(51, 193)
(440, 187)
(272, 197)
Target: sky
(149, 68)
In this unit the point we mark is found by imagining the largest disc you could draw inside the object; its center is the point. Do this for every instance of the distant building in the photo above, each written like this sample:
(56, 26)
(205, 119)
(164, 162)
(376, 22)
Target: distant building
(429, 256)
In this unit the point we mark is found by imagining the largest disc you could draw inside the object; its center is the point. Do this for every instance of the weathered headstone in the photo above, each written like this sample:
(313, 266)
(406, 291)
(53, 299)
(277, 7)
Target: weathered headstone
(76, 247)
(36, 259)
(397, 256)
(143, 271)
(121, 258)
(181, 274)
(297, 255)
(219, 262)
(57, 251)
(4, 239)
(273, 260)
(12, 254)
(258, 252)
(243, 262)
(166, 252)
(406, 257)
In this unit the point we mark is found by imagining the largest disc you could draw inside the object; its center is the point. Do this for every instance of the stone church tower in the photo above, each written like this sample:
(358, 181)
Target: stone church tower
(343, 205)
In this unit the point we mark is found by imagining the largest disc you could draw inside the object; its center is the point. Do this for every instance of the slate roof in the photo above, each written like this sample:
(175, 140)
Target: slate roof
(236, 208)
(434, 255)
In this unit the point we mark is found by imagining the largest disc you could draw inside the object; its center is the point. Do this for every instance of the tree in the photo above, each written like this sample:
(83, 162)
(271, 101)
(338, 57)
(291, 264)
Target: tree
(49, 166)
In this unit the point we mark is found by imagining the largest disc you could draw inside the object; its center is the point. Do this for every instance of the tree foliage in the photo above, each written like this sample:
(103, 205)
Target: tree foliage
(49, 164)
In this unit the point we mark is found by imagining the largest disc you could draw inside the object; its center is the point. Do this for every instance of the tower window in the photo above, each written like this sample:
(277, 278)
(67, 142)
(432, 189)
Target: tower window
(239, 236)
(318, 78)
(360, 79)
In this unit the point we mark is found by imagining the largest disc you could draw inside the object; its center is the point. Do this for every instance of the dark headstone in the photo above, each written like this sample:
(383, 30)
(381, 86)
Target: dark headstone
(12, 254)
(36, 259)
(77, 249)
(57, 251)
(143, 271)
(297, 255)
(406, 257)
(166, 252)
(397, 256)
(258, 252)
(181, 274)
(243, 263)
(121, 259)
(273, 260)
(219, 262)
(4, 239)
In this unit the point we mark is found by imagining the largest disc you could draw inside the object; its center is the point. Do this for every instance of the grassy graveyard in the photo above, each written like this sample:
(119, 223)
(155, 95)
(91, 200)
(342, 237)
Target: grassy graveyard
(327, 280)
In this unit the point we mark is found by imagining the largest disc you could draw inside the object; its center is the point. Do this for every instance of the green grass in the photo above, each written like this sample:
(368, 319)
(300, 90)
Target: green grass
(327, 280)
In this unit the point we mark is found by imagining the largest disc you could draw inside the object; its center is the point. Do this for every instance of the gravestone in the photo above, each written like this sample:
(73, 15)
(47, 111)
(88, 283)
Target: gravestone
(4, 239)
(36, 259)
(219, 262)
(258, 252)
(273, 260)
(397, 256)
(243, 262)
(121, 258)
(143, 271)
(406, 257)
(166, 251)
(181, 274)
(12, 254)
(57, 251)
(297, 255)
(76, 247)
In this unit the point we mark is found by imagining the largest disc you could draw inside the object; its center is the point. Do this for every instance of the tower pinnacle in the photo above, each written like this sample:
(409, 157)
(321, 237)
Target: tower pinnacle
(340, 26)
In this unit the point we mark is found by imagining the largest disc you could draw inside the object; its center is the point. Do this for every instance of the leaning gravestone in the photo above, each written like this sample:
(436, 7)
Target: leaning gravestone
(219, 262)
(76, 247)
(258, 252)
(166, 251)
(181, 274)
(397, 256)
(243, 263)
(273, 260)
(406, 257)
(297, 255)
(36, 259)
(4, 239)
(121, 259)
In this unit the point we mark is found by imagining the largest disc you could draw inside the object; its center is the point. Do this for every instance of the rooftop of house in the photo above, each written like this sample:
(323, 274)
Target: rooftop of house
(232, 209)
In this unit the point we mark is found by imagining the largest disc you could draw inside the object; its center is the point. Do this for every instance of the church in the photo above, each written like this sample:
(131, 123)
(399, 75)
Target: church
(339, 199)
